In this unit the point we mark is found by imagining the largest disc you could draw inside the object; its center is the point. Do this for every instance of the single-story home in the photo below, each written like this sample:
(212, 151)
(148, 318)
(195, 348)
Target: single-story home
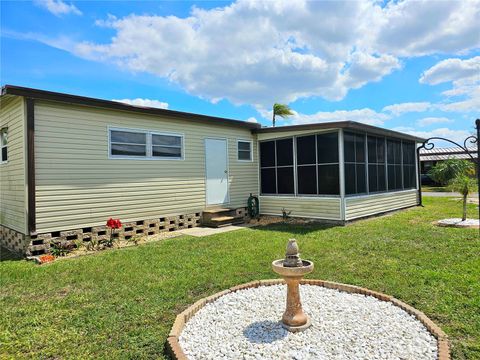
(70, 162)
(431, 157)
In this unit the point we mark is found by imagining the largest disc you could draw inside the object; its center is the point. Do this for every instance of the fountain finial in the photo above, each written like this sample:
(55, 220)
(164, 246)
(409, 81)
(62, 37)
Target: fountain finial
(292, 256)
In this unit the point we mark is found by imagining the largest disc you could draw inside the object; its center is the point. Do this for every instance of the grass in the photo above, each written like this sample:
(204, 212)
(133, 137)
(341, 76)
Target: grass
(427, 188)
(122, 303)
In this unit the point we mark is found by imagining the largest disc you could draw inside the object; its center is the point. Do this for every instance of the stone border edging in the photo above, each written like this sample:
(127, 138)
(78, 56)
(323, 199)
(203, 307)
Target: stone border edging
(175, 350)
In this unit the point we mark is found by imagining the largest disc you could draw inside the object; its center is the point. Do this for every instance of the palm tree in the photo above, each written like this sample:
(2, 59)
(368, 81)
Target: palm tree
(463, 184)
(445, 171)
(281, 110)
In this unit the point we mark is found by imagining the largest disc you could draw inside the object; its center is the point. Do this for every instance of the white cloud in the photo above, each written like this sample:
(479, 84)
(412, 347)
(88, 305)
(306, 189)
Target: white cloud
(58, 7)
(144, 102)
(465, 78)
(455, 135)
(470, 104)
(366, 116)
(398, 109)
(433, 120)
(365, 68)
(452, 70)
(259, 53)
(252, 120)
(416, 28)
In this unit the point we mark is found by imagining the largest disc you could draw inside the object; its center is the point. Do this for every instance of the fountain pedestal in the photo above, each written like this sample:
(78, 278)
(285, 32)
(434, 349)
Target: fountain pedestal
(292, 269)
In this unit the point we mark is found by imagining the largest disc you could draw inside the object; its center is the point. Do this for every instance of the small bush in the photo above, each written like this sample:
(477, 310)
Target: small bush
(61, 248)
(286, 214)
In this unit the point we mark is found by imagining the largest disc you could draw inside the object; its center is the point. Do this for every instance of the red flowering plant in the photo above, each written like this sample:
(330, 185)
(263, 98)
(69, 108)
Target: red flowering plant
(113, 224)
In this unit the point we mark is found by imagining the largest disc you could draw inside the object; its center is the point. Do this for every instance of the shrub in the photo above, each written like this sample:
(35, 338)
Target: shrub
(61, 248)
(285, 214)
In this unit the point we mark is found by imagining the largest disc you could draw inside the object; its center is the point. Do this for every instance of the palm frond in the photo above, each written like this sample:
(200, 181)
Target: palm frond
(281, 110)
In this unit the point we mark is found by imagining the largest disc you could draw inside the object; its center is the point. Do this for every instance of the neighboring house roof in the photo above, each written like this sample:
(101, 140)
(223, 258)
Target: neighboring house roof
(108, 104)
(352, 125)
(256, 128)
(438, 154)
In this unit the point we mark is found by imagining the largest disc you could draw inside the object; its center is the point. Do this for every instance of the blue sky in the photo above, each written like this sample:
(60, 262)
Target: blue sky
(412, 66)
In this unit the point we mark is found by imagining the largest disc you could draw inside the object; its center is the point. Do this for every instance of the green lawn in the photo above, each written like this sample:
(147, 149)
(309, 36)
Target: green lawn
(122, 303)
(427, 188)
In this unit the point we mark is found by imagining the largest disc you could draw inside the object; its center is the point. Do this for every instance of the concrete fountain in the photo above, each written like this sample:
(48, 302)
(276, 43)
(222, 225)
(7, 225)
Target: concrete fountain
(345, 321)
(293, 269)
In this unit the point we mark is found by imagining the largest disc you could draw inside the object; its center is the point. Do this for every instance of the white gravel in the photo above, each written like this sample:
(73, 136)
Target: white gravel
(245, 325)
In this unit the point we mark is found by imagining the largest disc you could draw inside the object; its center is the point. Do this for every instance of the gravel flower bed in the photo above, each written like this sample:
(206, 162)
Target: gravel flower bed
(245, 325)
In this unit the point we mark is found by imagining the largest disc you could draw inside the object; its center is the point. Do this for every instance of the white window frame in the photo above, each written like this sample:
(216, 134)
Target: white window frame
(149, 145)
(2, 131)
(251, 150)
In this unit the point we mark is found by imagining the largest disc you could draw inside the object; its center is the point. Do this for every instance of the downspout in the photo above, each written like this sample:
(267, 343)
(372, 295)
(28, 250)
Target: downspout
(30, 108)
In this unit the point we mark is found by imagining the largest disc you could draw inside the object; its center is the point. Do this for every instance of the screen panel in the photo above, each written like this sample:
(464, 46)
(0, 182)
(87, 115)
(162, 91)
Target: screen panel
(284, 152)
(307, 180)
(267, 153)
(306, 153)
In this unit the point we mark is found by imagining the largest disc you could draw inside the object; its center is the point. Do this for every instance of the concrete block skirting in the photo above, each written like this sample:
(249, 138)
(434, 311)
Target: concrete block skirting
(40, 244)
(175, 350)
(12, 240)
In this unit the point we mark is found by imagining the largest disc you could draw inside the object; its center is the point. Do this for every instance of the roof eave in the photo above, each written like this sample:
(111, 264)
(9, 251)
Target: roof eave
(347, 124)
(109, 104)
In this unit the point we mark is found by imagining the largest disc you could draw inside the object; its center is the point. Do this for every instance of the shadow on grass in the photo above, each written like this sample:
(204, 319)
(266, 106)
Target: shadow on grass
(7, 255)
(295, 227)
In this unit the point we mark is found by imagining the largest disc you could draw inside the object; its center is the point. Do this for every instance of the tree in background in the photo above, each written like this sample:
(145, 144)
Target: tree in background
(458, 175)
(463, 184)
(445, 171)
(281, 110)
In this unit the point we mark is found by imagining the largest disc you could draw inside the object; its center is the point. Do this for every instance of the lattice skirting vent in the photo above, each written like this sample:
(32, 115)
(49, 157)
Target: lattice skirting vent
(40, 244)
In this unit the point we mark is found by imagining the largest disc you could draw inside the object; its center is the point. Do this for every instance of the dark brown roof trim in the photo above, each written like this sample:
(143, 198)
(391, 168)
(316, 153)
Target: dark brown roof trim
(108, 104)
(350, 125)
(31, 196)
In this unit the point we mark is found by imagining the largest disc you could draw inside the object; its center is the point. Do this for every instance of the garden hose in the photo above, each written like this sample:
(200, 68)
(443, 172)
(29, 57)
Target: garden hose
(253, 206)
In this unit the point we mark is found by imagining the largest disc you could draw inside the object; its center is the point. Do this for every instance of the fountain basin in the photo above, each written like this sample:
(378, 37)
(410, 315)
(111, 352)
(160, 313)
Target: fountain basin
(287, 271)
(236, 322)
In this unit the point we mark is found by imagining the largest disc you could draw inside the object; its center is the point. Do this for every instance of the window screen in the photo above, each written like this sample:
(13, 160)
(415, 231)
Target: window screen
(166, 146)
(244, 150)
(145, 144)
(276, 167)
(355, 163)
(317, 164)
(4, 145)
(408, 151)
(128, 143)
(376, 164)
(394, 164)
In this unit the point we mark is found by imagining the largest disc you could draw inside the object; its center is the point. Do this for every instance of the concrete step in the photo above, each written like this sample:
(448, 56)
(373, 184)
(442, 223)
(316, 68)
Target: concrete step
(220, 221)
(209, 214)
(217, 210)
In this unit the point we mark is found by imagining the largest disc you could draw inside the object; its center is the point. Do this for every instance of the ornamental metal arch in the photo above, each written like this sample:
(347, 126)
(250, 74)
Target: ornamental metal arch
(429, 145)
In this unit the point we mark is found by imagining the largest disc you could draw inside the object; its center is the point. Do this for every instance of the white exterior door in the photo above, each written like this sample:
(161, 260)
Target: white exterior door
(216, 171)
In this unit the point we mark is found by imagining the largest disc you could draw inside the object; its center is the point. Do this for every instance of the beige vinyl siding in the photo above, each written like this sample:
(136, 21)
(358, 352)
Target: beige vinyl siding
(356, 207)
(79, 186)
(311, 207)
(13, 190)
